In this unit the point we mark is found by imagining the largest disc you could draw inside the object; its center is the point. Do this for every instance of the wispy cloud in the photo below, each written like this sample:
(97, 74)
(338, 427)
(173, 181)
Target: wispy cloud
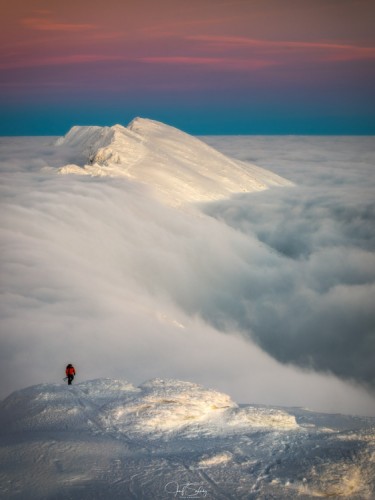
(45, 24)
(327, 50)
(59, 60)
(223, 63)
(219, 62)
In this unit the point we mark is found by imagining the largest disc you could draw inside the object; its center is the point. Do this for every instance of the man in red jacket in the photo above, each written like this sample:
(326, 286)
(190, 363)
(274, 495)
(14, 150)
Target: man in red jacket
(70, 372)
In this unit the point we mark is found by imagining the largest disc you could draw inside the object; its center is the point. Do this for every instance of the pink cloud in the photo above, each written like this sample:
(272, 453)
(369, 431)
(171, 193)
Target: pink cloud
(180, 60)
(59, 60)
(326, 50)
(220, 62)
(212, 62)
(44, 24)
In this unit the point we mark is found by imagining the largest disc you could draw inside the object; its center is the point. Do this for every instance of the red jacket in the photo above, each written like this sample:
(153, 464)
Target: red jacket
(70, 371)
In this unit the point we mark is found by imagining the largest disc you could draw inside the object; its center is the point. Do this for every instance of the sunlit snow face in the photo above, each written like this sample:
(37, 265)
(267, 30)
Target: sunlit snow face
(98, 273)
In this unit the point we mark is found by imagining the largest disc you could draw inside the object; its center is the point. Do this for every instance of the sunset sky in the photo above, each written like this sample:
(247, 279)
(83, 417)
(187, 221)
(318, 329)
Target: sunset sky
(205, 66)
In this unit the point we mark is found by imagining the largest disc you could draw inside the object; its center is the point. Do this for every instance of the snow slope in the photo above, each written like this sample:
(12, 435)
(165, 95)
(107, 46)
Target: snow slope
(178, 167)
(172, 439)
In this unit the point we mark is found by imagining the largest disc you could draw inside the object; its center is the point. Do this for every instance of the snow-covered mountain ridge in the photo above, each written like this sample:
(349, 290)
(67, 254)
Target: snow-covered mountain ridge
(172, 439)
(177, 167)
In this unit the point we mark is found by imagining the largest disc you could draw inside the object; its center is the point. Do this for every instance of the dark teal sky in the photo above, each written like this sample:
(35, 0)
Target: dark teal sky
(207, 66)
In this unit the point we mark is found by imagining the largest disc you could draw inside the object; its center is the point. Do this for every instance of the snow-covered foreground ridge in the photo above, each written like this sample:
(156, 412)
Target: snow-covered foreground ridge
(156, 408)
(177, 167)
(171, 439)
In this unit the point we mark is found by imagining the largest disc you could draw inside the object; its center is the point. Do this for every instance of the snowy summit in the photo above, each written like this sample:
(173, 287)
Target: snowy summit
(172, 439)
(179, 168)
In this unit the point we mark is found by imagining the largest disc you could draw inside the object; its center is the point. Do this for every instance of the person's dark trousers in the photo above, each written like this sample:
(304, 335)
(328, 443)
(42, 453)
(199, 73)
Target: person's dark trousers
(70, 378)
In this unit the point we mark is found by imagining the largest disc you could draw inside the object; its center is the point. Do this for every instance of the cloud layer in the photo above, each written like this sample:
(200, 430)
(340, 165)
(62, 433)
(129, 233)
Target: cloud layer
(315, 304)
(97, 273)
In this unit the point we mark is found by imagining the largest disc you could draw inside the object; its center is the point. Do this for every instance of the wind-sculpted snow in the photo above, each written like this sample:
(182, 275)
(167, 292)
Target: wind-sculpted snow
(164, 407)
(156, 408)
(51, 406)
(177, 167)
(173, 439)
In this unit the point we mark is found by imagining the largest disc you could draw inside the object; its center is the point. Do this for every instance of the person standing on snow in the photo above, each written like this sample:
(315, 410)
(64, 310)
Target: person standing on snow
(70, 372)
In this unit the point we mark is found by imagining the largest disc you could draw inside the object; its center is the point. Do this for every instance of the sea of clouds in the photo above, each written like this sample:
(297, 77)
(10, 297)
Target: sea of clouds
(267, 296)
(316, 306)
